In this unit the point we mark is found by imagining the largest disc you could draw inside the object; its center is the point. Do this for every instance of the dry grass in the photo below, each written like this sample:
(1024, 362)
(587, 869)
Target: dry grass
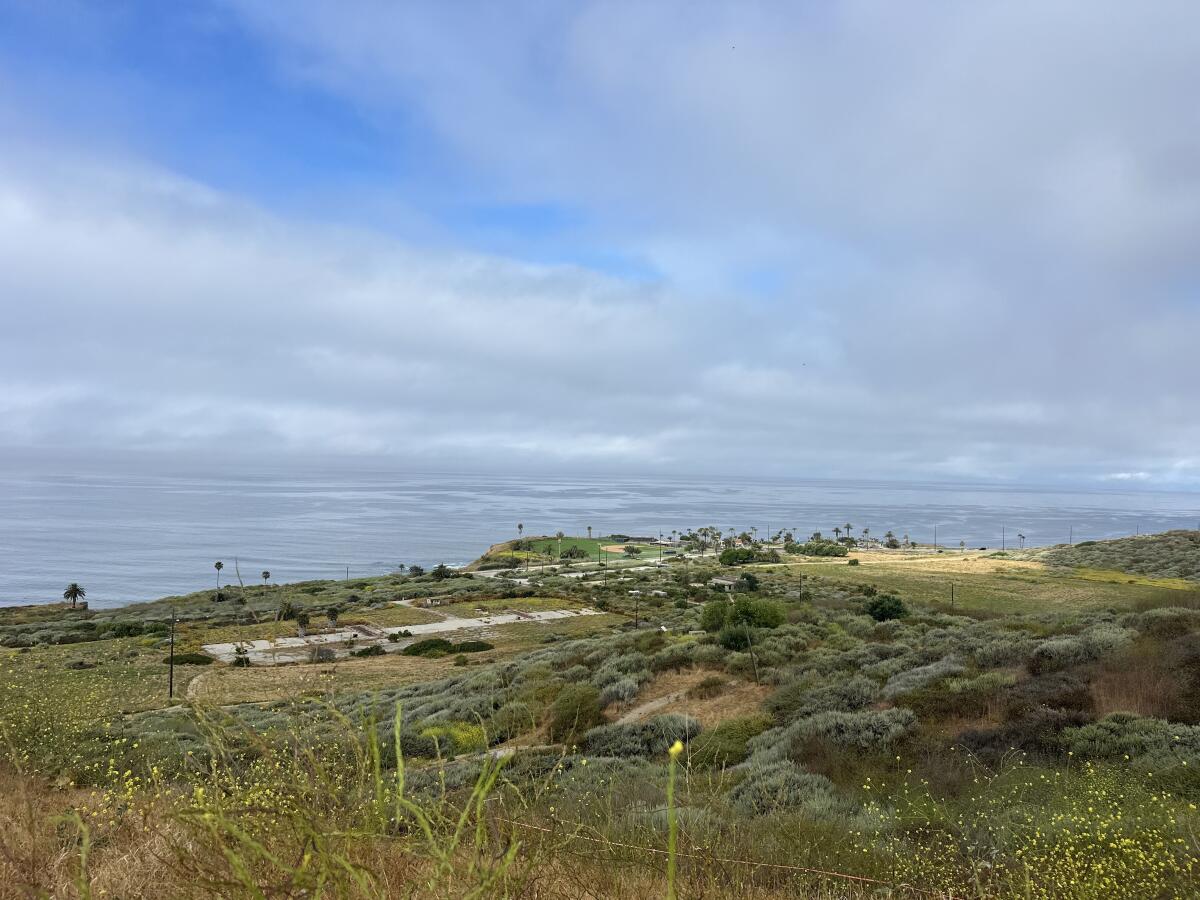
(148, 853)
(668, 693)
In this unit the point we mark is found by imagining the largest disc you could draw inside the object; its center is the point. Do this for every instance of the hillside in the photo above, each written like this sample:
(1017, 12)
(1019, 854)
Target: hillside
(1172, 554)
(844, 730)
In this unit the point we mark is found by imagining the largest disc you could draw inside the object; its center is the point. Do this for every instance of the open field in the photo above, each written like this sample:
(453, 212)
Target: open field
(984, 583)
(1039, 738)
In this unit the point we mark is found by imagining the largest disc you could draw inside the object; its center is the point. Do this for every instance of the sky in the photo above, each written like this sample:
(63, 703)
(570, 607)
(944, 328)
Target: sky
(926, 240)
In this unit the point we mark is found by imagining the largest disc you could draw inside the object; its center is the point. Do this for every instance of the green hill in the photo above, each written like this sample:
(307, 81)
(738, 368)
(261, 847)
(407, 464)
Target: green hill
(1172, 554)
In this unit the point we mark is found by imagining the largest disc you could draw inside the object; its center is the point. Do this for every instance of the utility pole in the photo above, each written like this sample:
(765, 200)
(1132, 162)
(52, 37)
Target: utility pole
(934, 537)
(171, 660)
(1071, 540)
(952, 595)
(1003, 545)
(347, 573)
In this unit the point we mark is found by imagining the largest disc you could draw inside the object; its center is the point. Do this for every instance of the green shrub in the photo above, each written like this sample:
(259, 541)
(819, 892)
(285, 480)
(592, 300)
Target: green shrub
(780, 786)
(819, 548)
(430, 647)
(885, 607)
(576, 709)
(714, 614)
(800, 699)
(1122, 735)
(756, 613)
(622, 690)
(868, 731)
(372, 650)
(190, 659)
(912, 679)
(736, 556)
(457, 737)
(852, 562)
(735, 637)
(725, 745)
(434, 648)
(650, 738)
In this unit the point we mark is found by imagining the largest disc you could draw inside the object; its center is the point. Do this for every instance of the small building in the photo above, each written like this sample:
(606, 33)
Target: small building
(723, 583)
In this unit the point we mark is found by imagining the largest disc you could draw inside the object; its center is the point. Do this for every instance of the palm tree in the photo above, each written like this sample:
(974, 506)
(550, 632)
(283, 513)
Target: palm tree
(848, 527)
(589, 532)
(74, 593)
(266, 576)
(837, 532)
(520, 529)
(218, 565)
(1021, 537)
(866, 533)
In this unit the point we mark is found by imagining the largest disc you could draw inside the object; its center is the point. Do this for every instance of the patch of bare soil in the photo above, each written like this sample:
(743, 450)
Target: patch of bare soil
(669, 693)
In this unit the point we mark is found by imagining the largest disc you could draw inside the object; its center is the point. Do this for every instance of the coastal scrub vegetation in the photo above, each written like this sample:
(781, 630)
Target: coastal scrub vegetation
(853, 730)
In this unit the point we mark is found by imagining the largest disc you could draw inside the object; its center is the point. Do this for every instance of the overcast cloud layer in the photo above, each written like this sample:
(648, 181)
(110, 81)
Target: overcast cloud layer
(919, 239)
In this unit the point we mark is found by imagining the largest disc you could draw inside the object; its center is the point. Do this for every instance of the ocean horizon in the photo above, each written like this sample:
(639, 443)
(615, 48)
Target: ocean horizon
(129, 536)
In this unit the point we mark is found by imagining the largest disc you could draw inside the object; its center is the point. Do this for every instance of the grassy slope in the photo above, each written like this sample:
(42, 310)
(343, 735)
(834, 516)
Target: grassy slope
(995, 585)
(1173, 554)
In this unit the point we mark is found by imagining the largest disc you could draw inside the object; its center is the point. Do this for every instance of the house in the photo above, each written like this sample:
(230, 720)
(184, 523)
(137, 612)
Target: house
(723, 583)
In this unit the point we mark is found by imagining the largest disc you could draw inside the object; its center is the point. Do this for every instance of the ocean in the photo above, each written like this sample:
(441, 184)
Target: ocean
(127, 536)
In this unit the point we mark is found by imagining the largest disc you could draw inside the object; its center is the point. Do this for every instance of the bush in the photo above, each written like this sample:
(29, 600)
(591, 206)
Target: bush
(756, 613)
(885, 607)
(190, 659)
(819, 548)
(1035, 731)
(725, 745)
(430, 647)
(868, 731)
(576, 709)
(798, 699)
(573, 552)
(650, 738)
(622, 690)
(1123, 735)
(457, 737)
(779, 786)
(714, 614)
(912, 679)
(852, 562)
(512, 719)
(736, 556)
(1065, 652)
(735, 637)
(373, 650)
(433, 648)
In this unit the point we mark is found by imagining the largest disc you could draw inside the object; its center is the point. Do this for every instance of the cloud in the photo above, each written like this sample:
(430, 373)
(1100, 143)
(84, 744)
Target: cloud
(929, 240)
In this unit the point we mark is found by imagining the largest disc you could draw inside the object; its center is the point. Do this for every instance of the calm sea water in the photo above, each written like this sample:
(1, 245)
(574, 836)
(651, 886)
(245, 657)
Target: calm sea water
(128, 537)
